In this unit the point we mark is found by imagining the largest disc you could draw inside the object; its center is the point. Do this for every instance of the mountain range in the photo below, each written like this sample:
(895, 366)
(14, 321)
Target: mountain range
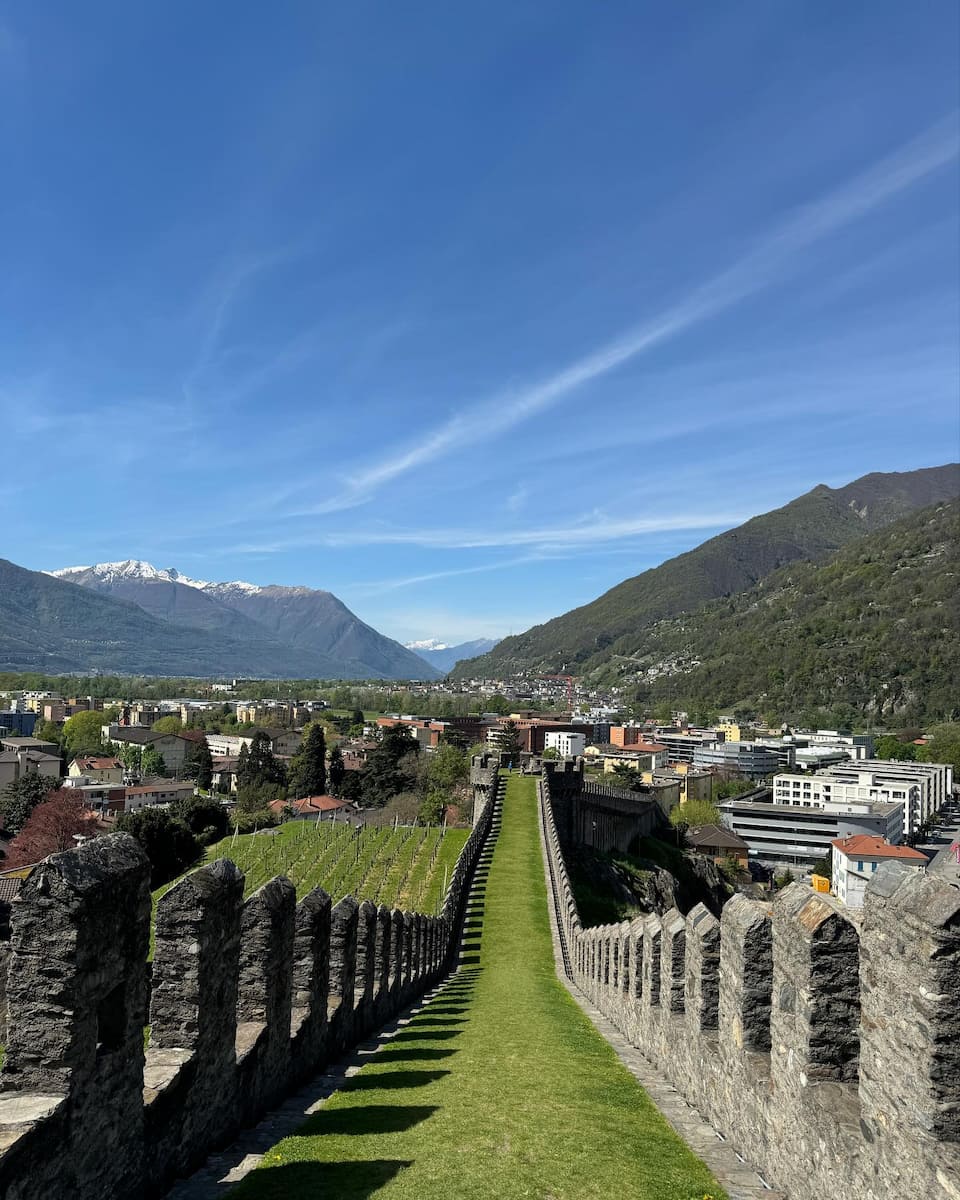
(438, 654)
(809, 529)
(870, 637)
(130, 617)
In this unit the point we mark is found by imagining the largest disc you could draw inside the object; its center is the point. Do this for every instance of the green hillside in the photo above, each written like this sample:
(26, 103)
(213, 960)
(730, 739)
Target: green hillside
(873, 636)
(809, 529)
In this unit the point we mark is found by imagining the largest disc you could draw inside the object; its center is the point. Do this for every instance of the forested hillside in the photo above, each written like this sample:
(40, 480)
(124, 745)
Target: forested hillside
(808, 529)
(873, 636)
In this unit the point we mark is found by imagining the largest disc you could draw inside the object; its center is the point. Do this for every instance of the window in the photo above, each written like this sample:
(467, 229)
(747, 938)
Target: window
(860, 864)
(873, 866)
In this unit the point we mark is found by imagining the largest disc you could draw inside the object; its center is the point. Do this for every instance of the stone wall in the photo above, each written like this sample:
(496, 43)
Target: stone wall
(244, 1000)
(594, 814)
(823, 1043)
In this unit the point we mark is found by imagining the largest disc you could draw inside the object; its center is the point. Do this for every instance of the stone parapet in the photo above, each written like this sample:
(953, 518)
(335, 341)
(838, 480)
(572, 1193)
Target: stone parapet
(822, 1043)
(244, 1000)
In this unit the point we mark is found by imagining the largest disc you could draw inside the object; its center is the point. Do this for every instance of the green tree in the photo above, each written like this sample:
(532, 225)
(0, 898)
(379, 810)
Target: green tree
(696, 812)
(388, 771)
(151, 761)
(19, 798)
(166, 841)
(47, 731)
(199, 765)
(336, 771)
(510, 742)
(552, 754)
(206, 819)
(497, 704)
(81, 733)
(446, 768)
(169, 724)
(308, 768)
(891, 747)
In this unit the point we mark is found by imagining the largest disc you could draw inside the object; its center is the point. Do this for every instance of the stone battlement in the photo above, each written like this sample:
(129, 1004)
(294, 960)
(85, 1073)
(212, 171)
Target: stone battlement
(823, 1043)
(245, 999)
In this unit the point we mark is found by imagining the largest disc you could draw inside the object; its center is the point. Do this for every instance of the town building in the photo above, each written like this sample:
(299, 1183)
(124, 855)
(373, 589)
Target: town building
(17, 724)
(749, 759)
(855, 861)
(921, 789)
(311, 808)
(566, 744)
(719, 844)
(682, 744)
(14, 764)
(785, 833)
(160, 791)
(96, 769)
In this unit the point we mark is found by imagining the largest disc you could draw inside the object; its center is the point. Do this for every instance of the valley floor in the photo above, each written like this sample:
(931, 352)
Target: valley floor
(499, 1088)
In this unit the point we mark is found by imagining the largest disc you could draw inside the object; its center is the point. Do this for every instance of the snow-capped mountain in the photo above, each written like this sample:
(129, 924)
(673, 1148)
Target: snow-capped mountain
(445, 657)
(310, 633)
(136, 568)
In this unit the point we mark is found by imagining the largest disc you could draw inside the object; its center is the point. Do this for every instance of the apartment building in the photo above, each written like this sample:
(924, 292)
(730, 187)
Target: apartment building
(745, 758)
(921, 789)
(566, 744)
(681, 745)
(786, 833)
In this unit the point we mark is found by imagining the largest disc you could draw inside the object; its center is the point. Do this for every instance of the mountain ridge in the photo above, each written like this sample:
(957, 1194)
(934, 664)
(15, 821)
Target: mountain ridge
(809, 528)
(186, 628)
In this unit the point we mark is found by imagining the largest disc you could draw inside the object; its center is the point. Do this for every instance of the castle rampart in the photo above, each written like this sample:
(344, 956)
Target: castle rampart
(244, 1000)
(824, 1044)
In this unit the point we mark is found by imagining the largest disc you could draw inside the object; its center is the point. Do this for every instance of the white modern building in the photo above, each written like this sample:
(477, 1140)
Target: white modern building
(855, 862)
(567, 745)
(800, 835)
(921, 788)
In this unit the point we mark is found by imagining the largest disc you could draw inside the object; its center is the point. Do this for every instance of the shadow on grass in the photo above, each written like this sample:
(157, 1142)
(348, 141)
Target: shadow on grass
(377, 1081)
(307, 1181)
(364, 1119)
(426, 1035)
(414, 1053)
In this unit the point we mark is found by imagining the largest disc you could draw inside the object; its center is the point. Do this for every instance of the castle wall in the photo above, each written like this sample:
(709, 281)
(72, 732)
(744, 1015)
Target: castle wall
(245, 999)
(823, 1043)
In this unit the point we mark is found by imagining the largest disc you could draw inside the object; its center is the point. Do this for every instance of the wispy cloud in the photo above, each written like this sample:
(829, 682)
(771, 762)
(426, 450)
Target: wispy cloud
(596, 529)
(770, 259)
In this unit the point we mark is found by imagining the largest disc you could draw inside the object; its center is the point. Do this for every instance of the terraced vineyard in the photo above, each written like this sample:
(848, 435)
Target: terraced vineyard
(406, 867)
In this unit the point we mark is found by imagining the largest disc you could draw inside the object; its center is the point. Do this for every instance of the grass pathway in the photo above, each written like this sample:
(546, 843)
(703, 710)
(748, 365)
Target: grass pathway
(499, 1088)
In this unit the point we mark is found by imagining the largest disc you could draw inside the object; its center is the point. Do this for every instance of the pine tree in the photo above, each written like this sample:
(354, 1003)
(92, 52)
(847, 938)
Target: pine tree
(308, 770)
(336, 771)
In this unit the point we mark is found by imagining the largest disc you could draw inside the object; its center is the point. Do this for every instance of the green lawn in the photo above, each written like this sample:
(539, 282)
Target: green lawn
(501, 1088)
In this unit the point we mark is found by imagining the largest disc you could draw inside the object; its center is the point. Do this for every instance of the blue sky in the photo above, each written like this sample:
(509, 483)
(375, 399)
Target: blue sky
(465, 313)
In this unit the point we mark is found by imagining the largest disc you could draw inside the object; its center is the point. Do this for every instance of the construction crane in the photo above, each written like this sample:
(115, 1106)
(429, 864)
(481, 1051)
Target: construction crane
(570, 687)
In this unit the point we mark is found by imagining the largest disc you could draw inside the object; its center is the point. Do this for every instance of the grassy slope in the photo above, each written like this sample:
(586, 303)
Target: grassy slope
(396, 868)
(501, 1087)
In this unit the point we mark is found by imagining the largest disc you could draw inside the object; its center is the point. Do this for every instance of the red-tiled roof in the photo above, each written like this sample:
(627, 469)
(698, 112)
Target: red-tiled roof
(91, 763)
(310, 804)
(865, 845)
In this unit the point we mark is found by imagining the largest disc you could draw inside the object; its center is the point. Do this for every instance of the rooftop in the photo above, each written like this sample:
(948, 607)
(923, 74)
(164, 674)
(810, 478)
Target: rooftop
(863, 845)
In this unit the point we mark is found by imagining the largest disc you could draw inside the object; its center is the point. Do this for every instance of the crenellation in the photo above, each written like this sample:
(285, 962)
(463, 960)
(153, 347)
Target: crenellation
(311, 980)
(823, 1045)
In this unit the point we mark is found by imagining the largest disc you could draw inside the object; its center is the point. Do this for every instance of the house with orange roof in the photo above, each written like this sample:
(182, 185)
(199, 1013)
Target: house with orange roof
(307, 808)
(856, 859)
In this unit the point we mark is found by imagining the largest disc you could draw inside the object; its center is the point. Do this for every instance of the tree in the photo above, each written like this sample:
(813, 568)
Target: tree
(203, 763)
(169, 724)
(336, 771)
(510, 742)
(19, 799)
(890, 747)
(205, 818)
(696, 812)
(389, 770)
(357, 718)
(552, 754)
(81, 733)
(446, 768)
(47, 731)
(50, 828)
(166, 841)
(308, 769)
(151, 761)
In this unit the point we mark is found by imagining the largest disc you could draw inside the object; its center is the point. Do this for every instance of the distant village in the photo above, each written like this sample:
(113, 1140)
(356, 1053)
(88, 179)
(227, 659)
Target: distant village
(787, 800)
